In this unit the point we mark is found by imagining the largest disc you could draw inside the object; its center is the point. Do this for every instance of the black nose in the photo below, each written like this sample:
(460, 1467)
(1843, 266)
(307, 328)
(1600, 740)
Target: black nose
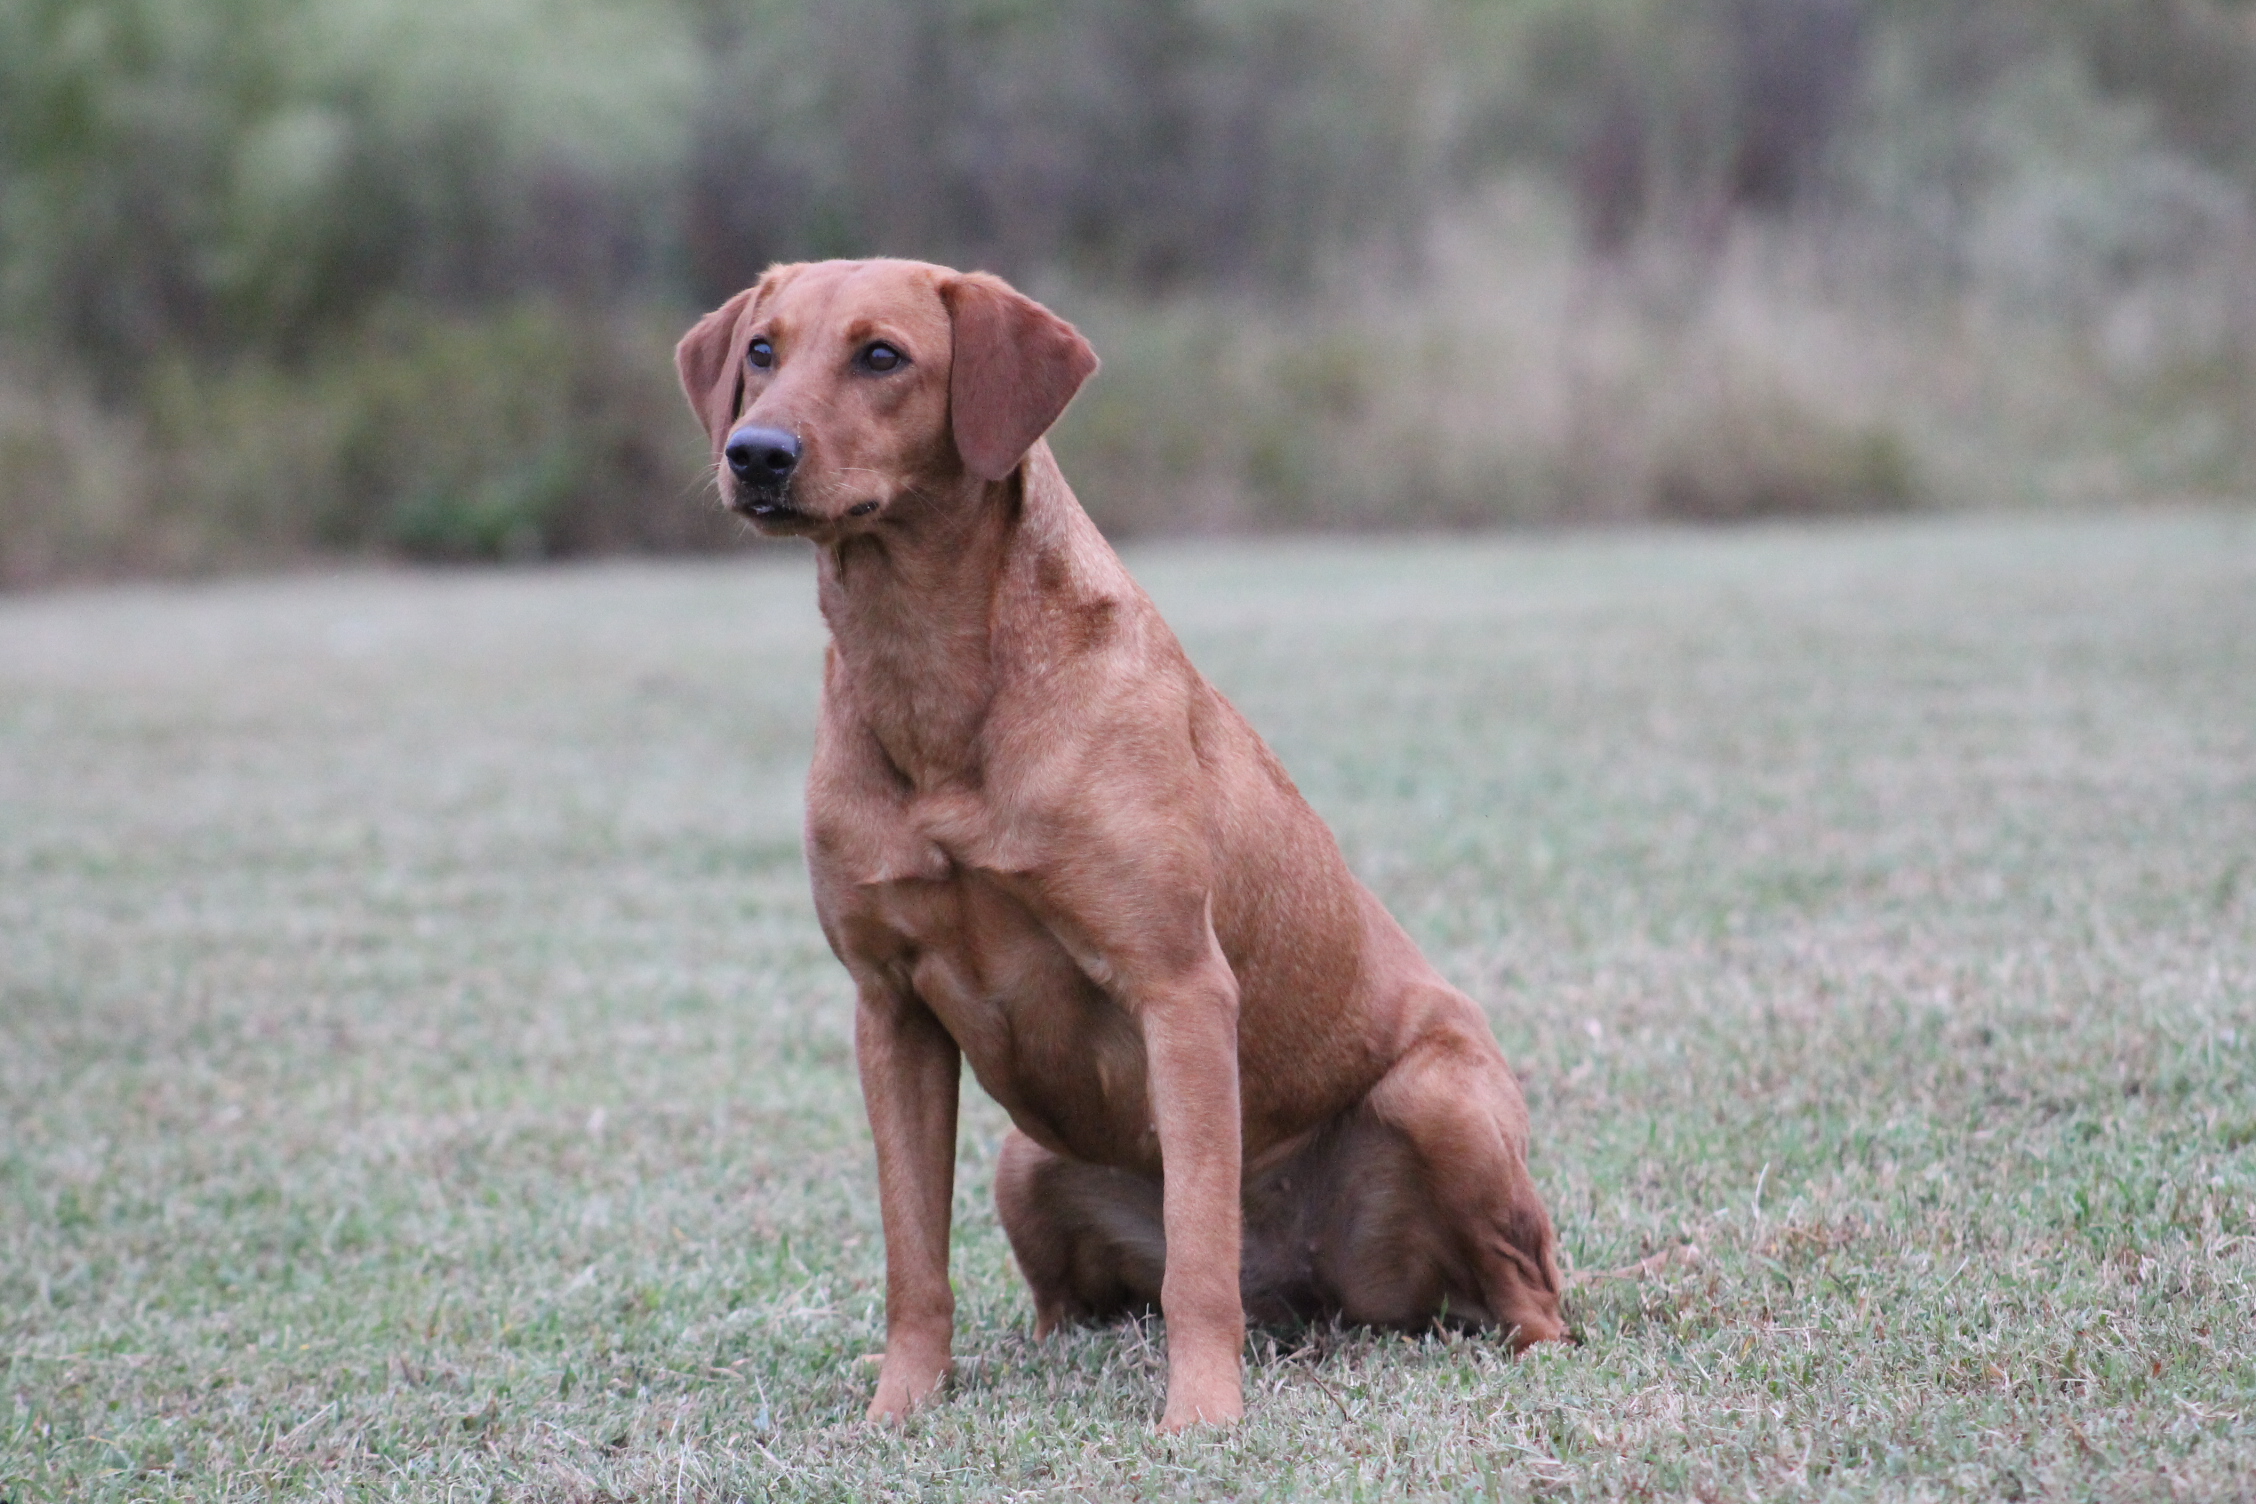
(763, 457)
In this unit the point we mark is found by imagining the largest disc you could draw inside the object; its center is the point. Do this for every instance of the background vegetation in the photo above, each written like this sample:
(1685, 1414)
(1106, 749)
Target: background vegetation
(422, 1076)
(349, 275)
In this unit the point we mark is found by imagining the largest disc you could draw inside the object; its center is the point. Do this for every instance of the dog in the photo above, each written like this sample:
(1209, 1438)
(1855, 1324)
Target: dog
(1039, 840)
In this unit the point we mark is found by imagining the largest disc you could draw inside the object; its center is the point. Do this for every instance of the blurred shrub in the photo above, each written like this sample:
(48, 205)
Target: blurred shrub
(1513, 387)
(537, 430)
(1139, 144)
(72, 491)
(1778, 458)
(250, 176)
(1234, 417)
(540, 430)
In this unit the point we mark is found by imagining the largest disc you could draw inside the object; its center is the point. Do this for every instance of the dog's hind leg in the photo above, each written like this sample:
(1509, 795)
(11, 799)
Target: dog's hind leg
(1454, 1101)
(1089, 1238)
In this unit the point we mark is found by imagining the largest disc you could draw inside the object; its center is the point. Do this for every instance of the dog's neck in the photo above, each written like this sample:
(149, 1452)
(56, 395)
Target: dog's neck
(921, 614)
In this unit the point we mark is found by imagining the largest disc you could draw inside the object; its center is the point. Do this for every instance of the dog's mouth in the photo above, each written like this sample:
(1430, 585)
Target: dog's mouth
(774, 510)
(770, 510)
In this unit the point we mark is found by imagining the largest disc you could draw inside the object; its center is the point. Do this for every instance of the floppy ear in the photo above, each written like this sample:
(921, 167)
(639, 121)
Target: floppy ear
(1016, 367)
(708, 363)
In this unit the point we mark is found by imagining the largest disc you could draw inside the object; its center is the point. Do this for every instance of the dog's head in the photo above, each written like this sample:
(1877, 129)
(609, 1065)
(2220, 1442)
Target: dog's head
(839, 393)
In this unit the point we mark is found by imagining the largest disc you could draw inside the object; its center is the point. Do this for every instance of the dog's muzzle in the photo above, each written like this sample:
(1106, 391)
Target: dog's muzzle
(762, 460)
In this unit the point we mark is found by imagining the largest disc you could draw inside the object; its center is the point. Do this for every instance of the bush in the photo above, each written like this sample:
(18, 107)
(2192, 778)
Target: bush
(255, 177)
(537, 431)
(1519, 385)
(1777, 458)
(73, 496)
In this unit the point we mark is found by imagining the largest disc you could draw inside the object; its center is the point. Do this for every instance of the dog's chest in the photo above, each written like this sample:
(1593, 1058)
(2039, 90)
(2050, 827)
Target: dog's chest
(1044, 1039)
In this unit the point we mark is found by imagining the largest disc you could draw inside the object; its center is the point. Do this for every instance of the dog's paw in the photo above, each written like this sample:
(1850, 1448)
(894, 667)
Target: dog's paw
(1219, 1406)
(906, 1380)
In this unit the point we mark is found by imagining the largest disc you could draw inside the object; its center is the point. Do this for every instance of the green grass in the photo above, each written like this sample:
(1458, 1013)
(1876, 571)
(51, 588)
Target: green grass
(421, 1076)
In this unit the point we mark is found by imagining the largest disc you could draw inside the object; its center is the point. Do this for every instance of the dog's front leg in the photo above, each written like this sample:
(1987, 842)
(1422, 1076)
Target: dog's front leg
(910, 1070)
(1190, 1030)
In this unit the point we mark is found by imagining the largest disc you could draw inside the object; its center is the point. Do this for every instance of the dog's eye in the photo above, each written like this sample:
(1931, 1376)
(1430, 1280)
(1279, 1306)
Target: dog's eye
(881, 357)
(762, 354)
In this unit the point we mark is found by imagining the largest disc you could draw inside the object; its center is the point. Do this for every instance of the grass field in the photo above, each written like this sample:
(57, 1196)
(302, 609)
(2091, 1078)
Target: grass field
(421, 1076)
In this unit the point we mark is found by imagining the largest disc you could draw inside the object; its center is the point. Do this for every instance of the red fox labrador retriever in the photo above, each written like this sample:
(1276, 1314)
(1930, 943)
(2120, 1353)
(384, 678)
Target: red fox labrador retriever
(1042, 842)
